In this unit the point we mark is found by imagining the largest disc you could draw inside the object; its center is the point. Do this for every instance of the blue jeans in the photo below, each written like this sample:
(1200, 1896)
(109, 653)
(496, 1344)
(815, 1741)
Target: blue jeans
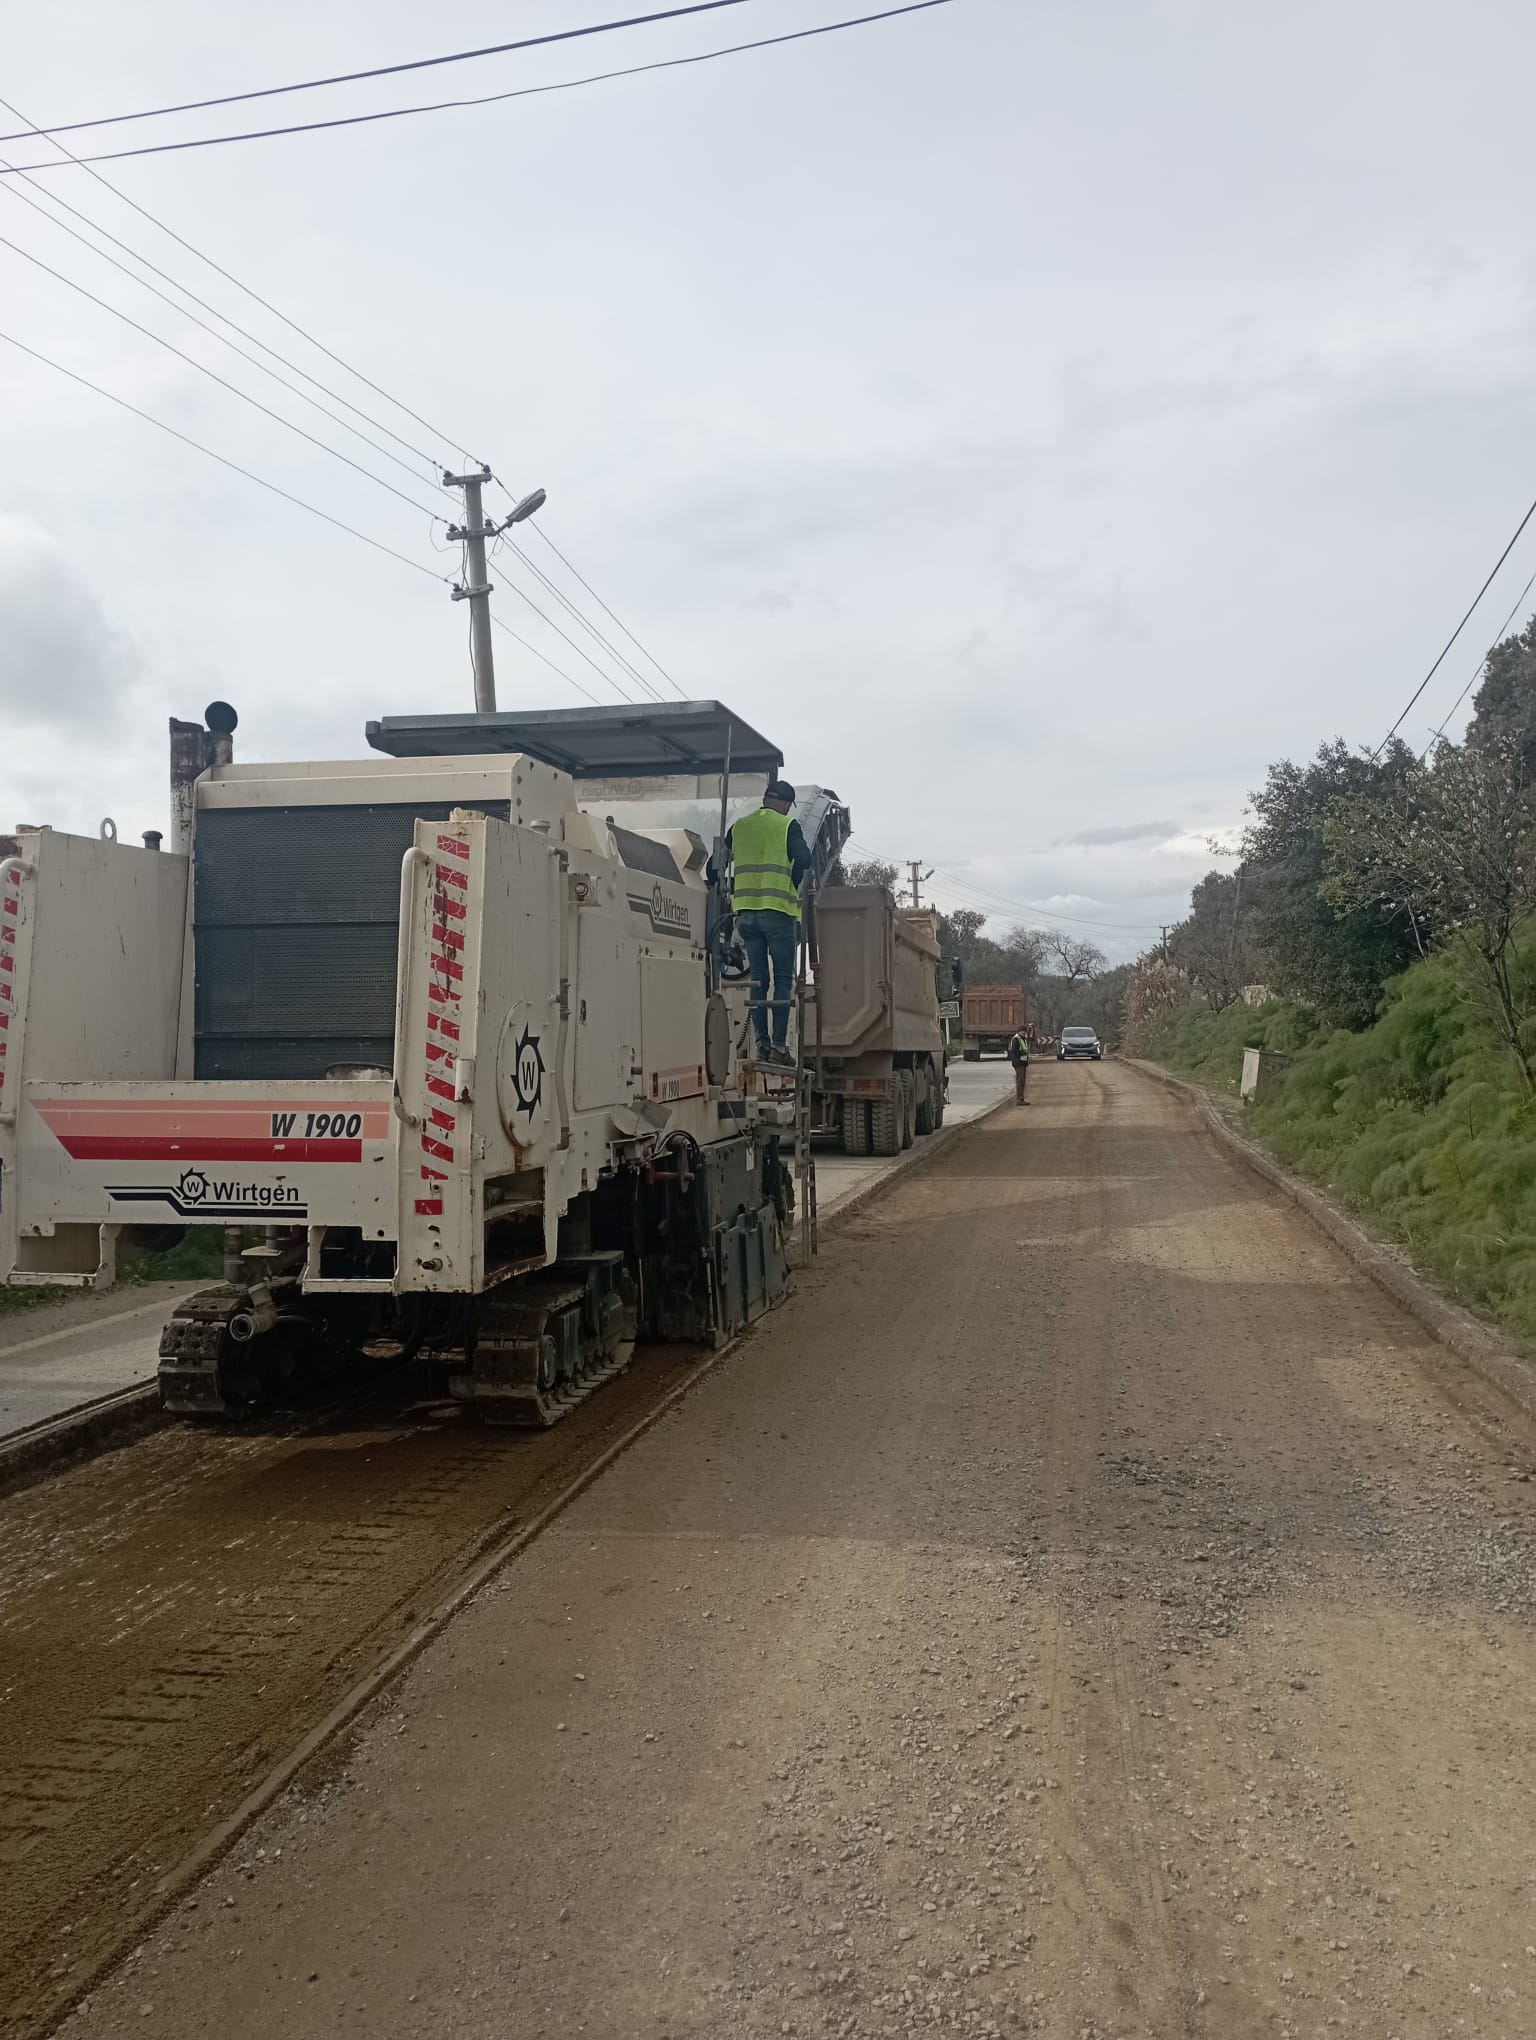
(770, 939)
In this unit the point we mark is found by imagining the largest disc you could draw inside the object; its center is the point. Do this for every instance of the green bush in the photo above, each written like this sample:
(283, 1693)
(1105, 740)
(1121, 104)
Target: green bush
(1420, 1124)
(198, 1257)
(1209, 1046)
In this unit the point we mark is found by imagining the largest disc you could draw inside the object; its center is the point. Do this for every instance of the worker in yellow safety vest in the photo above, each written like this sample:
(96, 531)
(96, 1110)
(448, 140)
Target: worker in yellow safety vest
(768, 858)
(1018, 1055)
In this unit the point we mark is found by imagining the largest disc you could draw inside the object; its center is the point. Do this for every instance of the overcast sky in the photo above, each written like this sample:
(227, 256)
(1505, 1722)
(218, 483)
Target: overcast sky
(1036, 415)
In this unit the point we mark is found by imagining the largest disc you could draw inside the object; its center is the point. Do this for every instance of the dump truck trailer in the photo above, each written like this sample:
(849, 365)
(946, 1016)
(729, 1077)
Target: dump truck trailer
(991, 1016)
(876, 1045)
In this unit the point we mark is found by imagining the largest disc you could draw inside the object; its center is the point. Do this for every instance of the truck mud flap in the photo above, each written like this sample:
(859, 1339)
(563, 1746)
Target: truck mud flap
(750, 1268)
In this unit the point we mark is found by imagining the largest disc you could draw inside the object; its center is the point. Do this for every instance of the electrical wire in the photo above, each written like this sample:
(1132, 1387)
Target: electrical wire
(560, 556)
(484, 99)
(14, 191)
(591, 628)
(223, 459)
(286, 494)
(1481, 666)
(982, 895)
(522, 596)
(446, 438)
(527, 647)
(1455, 634)
(213, 375)
(396, 403)
(531, 42)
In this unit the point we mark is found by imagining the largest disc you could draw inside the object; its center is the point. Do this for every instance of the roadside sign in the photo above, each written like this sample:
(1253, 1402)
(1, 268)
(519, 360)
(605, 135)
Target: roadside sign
(949, 1009)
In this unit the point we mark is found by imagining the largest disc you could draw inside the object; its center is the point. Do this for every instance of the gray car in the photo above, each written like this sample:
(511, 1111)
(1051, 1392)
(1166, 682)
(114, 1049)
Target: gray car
(1079, 1041)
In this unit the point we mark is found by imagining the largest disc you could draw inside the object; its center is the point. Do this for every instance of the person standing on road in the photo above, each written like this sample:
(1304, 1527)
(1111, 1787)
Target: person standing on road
(768, 857)
(1018, 1055)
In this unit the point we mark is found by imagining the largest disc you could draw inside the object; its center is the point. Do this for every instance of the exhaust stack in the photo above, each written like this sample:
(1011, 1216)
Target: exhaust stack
(195, 749)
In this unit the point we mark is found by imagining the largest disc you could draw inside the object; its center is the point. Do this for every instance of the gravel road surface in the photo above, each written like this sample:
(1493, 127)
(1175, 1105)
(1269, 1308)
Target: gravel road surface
(1087, 1608)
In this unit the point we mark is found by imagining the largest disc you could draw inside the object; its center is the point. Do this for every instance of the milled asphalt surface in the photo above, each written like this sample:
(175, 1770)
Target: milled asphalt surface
(1086, 1608)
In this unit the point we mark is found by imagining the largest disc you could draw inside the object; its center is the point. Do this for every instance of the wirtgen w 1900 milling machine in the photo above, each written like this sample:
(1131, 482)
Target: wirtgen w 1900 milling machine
(445, 1045)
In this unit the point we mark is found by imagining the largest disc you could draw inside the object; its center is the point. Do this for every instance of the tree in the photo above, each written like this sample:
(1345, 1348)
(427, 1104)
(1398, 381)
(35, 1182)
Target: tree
(1153, 990)
(1319, 952)
(1215, 946)
(1507, 698)
(1453, 846)
(1075, 957)
(1013, 961)
(864, 871)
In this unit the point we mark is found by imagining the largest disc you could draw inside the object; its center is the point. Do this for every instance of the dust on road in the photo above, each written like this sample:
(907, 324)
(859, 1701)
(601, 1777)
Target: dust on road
(1087, 1608)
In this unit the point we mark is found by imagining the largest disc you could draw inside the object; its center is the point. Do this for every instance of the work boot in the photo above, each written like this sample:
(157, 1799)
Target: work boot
(780, 1056)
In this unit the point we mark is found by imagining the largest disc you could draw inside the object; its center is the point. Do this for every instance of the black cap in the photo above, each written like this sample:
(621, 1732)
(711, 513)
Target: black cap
(780, 789)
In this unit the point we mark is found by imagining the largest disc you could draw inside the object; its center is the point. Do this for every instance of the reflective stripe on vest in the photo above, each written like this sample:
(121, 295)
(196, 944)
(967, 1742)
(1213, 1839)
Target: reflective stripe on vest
(762, 875)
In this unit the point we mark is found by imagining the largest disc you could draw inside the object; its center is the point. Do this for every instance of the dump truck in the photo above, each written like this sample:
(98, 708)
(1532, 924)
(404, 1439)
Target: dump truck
(440, 1051)
(875, 1043)
(990, 1017)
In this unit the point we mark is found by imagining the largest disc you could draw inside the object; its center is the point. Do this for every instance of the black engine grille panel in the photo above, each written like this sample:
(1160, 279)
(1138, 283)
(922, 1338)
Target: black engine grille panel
(297, 927)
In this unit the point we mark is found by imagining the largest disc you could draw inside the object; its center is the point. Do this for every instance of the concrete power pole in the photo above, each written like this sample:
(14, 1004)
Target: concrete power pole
(476, 588)
(919, 876)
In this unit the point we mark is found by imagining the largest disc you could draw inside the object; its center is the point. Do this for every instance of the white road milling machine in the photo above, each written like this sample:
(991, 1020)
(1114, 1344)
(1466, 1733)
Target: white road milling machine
(442, 1046)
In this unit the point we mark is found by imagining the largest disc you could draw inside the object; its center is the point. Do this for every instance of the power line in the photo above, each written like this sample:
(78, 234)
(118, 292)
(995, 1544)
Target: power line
(14, 191)
(1456, 633)
(485, 99)
(1482, 664)
(527, 647)
(293, 326)
(591, 628)
(203, 369)
(982, 895)
(523, 596)
(661, 669)
(380, 71)
(255, 296)
(223, 459)
(272, 487)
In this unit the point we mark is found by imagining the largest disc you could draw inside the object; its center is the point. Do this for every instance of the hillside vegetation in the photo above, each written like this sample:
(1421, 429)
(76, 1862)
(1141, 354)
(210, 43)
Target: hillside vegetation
(1420, 1124)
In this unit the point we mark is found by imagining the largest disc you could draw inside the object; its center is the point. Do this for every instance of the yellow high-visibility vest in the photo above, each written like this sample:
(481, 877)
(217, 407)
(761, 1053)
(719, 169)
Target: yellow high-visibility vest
(762, 875)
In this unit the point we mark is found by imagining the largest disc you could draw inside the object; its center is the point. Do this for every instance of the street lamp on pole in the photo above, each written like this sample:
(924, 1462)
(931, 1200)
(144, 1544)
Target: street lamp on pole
(475, 589)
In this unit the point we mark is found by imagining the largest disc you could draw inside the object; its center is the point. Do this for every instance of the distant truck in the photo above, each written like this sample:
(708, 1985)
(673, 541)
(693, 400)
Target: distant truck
(991, 1016)
(875, 1048)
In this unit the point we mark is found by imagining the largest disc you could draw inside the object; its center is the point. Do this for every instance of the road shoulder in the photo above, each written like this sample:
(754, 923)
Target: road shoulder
(1479, 1346)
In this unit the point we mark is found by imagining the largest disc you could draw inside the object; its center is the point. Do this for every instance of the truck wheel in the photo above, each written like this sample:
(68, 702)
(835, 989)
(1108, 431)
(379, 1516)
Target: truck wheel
(886, 1122)
(972, 1054)
(908, 1108)
(927, 1098)
(855, 1127)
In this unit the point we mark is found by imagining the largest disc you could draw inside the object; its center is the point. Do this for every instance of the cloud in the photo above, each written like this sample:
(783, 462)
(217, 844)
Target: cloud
(63, 665)
(1120, 832)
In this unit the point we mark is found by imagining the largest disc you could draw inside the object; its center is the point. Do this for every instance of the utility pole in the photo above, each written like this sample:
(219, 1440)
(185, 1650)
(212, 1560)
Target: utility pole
(919, 876)
(475, 589)
(1165, 943)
